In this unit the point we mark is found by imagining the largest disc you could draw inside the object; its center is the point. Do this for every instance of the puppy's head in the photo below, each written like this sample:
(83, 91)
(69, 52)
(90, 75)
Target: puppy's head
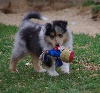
(56, 32)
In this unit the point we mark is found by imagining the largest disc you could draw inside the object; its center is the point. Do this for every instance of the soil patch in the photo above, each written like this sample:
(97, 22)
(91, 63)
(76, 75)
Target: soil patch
(76, 22)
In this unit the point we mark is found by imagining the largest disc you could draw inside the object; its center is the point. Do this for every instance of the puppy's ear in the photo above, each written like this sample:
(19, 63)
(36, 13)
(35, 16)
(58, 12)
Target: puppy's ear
(48, 28)
(60, 23)
(66, 23)
(63, 24)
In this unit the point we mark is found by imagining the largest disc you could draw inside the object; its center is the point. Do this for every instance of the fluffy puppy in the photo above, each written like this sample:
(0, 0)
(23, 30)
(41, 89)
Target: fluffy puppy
(33, 38)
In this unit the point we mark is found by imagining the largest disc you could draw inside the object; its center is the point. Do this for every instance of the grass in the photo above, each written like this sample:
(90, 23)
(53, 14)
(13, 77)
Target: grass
(84, 76)
(95, 9)
(87, 3)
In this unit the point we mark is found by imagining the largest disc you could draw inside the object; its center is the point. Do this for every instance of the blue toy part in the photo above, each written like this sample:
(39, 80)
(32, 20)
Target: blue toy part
(56, 55)
(58, 62)
(46, 58)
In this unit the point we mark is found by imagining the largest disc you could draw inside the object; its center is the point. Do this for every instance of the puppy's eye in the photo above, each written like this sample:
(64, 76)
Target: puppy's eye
(52, 37)
(60, 35)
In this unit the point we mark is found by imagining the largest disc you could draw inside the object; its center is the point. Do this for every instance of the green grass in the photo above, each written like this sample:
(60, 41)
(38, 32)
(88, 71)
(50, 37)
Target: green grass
(87, 3)
(95, 9)
(80, 80)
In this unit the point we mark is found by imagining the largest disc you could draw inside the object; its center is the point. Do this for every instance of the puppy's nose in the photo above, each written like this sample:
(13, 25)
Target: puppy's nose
(57, 44)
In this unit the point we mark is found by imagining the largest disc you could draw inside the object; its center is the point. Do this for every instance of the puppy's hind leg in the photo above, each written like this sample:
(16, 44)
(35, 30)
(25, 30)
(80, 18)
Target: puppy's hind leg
(36, 64)
(16, 56)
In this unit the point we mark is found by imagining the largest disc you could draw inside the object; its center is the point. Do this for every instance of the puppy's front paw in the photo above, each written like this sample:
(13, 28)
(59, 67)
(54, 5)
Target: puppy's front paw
(53, 73)
(65, 68)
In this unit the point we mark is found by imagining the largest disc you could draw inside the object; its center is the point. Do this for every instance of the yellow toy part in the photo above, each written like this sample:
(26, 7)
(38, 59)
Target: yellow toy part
(67, 55)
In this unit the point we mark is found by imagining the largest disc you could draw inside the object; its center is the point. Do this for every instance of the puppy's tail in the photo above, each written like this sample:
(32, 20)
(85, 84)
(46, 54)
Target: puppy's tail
(34, 15)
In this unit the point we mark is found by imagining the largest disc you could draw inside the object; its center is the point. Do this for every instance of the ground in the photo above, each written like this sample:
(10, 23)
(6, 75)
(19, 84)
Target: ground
(84, 75)
(77, 22)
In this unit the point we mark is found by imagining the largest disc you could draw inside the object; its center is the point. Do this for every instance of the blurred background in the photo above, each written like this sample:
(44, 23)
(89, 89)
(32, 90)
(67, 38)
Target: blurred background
(82, 15)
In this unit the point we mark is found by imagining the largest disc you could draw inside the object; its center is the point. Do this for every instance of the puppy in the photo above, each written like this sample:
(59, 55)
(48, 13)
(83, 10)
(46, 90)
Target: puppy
(33, 38)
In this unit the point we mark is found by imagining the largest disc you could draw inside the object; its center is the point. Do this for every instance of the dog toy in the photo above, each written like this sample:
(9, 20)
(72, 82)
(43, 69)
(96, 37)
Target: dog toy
(55, 53)
(60, 55)
(67, 55)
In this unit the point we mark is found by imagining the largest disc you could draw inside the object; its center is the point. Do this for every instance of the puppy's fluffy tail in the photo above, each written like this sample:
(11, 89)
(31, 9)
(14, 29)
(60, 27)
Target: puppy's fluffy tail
(34, 15)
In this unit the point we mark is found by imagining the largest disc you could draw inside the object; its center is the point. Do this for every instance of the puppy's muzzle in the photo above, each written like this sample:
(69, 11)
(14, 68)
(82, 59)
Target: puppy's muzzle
(56, 43)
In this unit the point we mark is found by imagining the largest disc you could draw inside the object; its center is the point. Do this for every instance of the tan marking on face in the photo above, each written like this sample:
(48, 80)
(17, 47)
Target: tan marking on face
(62, 39)
(57, 39)
(50, 41)
(52, 34)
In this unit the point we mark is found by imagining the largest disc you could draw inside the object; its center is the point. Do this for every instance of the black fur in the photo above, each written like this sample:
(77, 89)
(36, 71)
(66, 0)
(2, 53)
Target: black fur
(29, 35)
(32, 14)
(60, 23)
(50, 28)
(48, 62)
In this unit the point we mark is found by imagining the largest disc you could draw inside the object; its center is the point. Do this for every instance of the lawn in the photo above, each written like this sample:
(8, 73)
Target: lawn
(83, 78)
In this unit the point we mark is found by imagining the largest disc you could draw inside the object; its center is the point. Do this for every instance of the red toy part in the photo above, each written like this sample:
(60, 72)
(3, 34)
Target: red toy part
(56, 48)
(71, 56)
